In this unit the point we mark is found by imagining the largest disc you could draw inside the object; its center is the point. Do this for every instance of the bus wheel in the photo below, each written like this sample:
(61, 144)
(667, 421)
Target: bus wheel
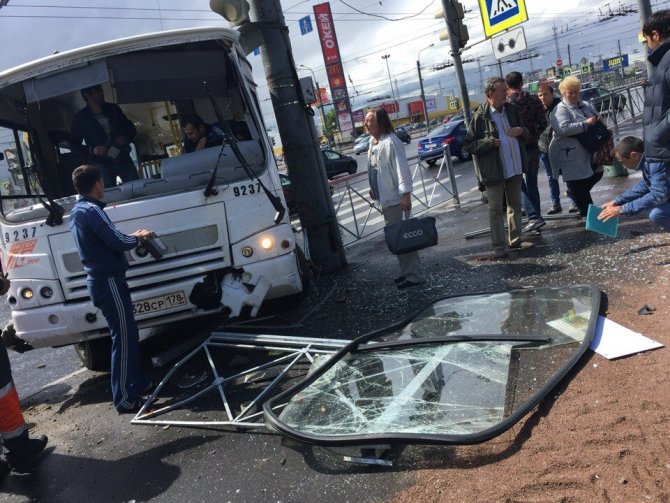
(95, 354)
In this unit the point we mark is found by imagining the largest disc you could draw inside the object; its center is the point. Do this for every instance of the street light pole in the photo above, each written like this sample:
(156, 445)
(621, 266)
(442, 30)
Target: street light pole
(319, 104)
(386, 57)
(423, 94)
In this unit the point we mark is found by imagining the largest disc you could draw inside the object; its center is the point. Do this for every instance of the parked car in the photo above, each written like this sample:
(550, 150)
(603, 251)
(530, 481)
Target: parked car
(289, 193)
(362, 146)
(603, 100)
(337, 163)
(431, 147)
(361, 137)
(403, 135)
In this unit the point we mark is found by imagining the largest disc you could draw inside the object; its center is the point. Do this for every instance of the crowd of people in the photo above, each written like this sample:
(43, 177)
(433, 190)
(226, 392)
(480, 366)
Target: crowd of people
(512, 132)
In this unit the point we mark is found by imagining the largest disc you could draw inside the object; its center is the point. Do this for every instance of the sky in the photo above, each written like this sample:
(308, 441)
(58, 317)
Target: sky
(366, 30)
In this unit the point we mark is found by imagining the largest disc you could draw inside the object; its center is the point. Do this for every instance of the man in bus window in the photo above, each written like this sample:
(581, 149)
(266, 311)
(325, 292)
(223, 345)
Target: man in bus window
(101, 132)
(101, 248)
(199, 135)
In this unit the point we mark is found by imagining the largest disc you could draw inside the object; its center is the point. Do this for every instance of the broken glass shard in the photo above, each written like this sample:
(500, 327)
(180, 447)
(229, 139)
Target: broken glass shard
(462, 371)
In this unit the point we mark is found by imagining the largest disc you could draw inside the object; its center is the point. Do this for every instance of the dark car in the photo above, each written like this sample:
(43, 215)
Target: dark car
(431, 147)
(289, 193)
(337, 163)
(403, 135)
(603, 101)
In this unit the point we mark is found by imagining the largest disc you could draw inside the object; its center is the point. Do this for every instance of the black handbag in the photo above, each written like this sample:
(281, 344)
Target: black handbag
(594, 137)
(410, 235)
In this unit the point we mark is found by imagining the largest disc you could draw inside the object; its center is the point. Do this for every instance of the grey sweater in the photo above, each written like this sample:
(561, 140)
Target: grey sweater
(566, 154)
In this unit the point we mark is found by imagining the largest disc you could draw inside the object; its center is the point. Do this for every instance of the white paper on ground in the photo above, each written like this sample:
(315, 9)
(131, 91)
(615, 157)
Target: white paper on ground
(614, 341)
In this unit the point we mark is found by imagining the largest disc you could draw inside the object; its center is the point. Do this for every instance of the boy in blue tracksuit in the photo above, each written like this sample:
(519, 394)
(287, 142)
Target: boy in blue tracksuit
(101, 249)
(650, 193)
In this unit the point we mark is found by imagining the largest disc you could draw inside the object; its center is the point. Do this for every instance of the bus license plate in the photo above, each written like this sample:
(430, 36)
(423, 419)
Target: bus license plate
(160, 303)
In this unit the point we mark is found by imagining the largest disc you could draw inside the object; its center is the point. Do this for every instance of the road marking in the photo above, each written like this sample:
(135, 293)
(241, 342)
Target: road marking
(57, 381)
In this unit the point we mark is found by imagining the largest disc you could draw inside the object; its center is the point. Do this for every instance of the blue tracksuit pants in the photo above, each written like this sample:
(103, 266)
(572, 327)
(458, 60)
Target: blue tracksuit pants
(111, 295)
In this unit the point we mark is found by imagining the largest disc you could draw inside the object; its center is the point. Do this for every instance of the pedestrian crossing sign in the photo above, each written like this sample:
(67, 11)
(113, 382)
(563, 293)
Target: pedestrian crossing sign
(500, 15)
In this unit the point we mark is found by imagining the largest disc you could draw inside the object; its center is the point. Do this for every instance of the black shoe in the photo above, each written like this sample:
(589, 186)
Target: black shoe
(407, 284)
(20, 460)
(4, 469)
(399, 280)
(554, 210)
(149, 388)
(134, 408)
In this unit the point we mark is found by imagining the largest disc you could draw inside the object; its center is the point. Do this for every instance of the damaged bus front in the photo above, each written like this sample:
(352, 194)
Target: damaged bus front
(218, 210)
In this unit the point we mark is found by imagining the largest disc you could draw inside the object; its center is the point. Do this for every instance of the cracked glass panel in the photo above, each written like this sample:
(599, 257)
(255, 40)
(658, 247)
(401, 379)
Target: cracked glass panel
(461, 367)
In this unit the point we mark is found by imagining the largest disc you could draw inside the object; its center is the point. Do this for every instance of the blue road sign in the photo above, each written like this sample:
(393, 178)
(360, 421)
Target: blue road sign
(305, 25)
(615, 62)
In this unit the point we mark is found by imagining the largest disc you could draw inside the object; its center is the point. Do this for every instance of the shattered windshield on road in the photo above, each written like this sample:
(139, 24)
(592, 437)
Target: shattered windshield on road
(462, 371)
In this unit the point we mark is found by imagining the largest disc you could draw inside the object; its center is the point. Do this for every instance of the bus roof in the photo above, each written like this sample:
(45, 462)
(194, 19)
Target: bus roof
(75, 57)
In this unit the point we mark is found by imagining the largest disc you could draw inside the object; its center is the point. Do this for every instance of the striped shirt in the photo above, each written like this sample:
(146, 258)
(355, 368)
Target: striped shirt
(509, 146)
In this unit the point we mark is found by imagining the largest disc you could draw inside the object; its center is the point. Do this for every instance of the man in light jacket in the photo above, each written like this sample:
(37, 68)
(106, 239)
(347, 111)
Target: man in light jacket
(391, 184)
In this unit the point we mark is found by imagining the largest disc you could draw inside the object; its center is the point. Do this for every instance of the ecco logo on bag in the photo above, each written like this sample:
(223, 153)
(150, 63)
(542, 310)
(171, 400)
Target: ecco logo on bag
(412, 234)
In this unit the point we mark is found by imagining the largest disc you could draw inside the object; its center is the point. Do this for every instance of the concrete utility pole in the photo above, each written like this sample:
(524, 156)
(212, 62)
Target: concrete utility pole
(644, 6)
(423, 94)
(386, 57)
(299, 138)
(558, 49)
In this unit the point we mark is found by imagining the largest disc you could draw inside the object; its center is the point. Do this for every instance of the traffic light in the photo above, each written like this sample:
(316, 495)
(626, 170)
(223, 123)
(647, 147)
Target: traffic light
(453, 13)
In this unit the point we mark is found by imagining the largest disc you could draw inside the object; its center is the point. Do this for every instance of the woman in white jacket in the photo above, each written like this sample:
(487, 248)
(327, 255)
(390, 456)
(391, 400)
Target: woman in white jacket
(391, 185)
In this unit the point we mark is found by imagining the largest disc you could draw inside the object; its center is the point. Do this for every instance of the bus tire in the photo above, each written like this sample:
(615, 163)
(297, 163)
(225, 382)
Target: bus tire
(95, 354)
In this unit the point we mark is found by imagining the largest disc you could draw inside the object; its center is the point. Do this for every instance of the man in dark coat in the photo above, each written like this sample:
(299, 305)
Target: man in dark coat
(102, 133)
(656, 117)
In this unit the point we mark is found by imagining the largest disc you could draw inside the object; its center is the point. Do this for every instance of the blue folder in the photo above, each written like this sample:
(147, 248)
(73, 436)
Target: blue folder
(608, 228)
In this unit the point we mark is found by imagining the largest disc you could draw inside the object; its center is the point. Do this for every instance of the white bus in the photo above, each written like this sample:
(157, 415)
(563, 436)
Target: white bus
(219, 211)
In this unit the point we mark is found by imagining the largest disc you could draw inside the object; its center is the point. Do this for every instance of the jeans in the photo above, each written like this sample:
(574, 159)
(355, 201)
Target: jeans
(661, 216)
(530, 196)
(554, 190)
(111, 295)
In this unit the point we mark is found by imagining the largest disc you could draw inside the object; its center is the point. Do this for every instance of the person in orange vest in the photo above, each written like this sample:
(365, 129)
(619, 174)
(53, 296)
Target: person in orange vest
(23, 450)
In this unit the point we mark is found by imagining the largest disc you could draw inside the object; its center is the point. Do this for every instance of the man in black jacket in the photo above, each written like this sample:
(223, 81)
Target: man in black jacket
(102, 133)
(656, 117)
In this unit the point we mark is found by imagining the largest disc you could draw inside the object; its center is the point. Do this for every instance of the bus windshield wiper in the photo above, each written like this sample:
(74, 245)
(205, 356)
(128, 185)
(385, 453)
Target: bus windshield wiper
(232, 141)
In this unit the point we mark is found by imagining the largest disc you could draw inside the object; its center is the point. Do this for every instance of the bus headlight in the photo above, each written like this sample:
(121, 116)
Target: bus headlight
(247, 251)
(266, 243)
(46, 292)
(27, 293)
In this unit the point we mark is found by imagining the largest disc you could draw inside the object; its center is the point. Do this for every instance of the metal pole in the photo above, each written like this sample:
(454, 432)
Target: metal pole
(451, 20)
(569, 58)
(319, 104)
(481, 75)
(558, 49)
(644, 7)
(386, 57)
(299, 138)
(423, 94)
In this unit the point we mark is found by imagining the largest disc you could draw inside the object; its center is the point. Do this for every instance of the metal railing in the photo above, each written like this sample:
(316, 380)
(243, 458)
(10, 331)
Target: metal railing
(359, 216)
(622, 104)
